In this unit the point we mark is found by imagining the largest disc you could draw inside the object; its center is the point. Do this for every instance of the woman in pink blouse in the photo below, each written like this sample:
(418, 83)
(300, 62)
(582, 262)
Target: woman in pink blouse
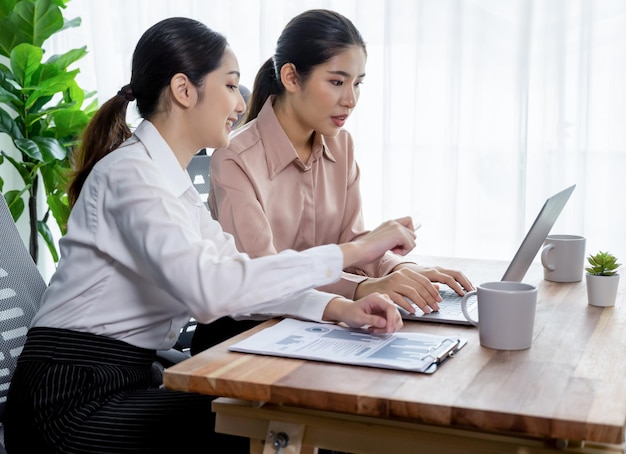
(289, 179)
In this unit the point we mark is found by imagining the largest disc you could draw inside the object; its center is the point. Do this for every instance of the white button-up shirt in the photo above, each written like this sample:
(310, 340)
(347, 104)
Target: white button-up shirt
(142, 254)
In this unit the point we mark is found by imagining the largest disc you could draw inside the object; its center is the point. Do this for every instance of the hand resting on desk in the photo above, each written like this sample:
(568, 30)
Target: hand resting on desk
(375, 311)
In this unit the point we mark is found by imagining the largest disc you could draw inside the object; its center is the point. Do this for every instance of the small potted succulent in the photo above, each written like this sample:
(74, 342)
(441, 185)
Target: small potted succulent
(602, 279)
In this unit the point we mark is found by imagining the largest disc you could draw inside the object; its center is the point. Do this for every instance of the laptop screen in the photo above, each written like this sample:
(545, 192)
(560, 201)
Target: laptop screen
(537, 235)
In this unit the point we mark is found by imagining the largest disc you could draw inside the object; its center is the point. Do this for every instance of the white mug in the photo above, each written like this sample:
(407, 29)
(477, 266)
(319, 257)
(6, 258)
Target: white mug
(563, 258)
(506, 314)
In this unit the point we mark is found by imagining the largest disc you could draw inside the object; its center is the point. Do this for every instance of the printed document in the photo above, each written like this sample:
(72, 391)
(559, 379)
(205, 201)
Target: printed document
(417, 352)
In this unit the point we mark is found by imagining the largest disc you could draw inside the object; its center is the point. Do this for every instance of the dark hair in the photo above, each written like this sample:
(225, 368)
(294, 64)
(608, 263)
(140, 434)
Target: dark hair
(171, 46)
(308, 40)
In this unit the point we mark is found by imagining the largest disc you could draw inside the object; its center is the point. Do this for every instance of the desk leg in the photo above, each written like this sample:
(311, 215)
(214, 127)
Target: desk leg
(258, 429)
(287, 436)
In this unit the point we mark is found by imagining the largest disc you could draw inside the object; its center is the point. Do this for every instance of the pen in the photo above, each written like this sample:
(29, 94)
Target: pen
(417, 227)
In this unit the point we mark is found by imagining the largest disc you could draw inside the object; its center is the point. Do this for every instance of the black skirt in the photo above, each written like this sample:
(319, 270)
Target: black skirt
(76, 392)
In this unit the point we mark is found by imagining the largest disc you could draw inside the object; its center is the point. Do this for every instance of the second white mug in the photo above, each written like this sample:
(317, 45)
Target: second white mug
(563, 258)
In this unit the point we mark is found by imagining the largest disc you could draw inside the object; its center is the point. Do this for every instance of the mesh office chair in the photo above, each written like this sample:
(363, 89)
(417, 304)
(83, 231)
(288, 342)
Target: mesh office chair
(21, 287)
(198, 170)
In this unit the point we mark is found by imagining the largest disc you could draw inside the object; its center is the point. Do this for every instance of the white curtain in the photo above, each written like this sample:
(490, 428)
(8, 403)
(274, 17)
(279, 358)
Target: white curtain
(472, 112)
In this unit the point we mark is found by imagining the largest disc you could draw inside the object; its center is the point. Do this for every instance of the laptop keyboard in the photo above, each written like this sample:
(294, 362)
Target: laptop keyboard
(450, 302)
(449, 308)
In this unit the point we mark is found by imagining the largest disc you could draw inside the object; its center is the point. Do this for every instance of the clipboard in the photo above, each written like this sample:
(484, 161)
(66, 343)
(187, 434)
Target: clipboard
(407, 351)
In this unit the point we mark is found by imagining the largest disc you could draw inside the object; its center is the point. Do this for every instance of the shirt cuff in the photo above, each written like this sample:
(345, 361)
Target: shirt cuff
(309, 305)
(326, 263)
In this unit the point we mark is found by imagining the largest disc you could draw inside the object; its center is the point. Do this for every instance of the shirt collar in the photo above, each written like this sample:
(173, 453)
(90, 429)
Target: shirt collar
(279, 151)
(175, 178)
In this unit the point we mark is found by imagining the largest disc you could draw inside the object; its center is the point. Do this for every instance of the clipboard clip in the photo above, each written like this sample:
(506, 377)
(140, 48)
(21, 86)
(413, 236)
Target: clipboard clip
(447, 348)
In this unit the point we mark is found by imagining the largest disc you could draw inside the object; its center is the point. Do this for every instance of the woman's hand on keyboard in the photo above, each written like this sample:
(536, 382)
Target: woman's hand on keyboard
(454, 279)
(404, 286)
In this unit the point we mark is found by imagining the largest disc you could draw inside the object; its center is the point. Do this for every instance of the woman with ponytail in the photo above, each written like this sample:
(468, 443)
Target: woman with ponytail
(289, 179)
(142, 255)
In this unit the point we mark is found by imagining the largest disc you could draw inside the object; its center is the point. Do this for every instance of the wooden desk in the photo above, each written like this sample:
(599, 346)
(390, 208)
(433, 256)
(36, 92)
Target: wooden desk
(566, 392)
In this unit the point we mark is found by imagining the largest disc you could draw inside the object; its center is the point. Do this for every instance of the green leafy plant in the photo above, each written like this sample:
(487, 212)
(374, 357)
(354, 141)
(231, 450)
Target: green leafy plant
(43, 111)
(602, 264)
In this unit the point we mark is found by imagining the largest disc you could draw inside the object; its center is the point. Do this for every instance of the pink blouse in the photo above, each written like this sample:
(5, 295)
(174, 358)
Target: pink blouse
(263, 194)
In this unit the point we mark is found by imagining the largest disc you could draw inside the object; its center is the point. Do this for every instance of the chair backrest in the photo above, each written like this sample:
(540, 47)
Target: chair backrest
(198, 170)
(21, 288)
(200, 164)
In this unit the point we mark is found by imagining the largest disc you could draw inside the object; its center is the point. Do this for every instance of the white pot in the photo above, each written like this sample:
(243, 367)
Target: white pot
(602, 290)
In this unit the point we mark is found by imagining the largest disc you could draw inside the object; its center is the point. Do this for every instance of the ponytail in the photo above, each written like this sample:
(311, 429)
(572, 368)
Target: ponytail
(266, 83)
(105, 132)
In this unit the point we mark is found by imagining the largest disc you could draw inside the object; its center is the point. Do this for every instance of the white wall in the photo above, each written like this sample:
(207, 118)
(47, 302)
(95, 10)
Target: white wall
(472, 111)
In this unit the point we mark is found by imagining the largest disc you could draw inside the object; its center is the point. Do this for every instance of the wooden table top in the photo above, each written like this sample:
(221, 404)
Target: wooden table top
(568, 385)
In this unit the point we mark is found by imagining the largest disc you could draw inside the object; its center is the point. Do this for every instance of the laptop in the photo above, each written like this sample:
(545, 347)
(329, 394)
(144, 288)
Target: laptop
(450, 307)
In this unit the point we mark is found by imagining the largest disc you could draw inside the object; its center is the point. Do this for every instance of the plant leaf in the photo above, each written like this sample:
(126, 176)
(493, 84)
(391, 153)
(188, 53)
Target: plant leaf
(42, 149)
(25, 60)
(29, 148)
(55, 177)
(51, 85)
(45, 113)
(66, 59)
(15, 203)
(23, 168)
(602, 264)
(60, 208)
(48, 149)
(37, 20)
(6, 6)
(69, 23)
(48, 238)
(70, 123)
(8, 96)
(74, 96)
(10, 36)
(4, 70)
(9, 126)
